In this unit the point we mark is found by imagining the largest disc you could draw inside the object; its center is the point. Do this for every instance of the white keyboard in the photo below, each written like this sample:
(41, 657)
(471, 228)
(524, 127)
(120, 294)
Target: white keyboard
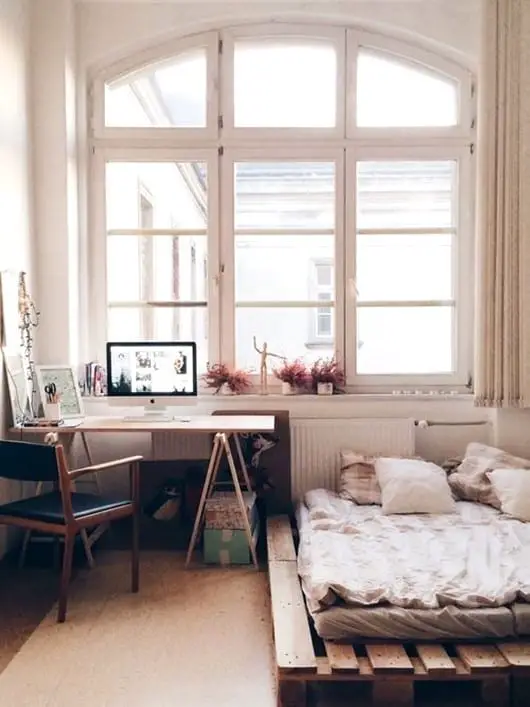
(148, 418)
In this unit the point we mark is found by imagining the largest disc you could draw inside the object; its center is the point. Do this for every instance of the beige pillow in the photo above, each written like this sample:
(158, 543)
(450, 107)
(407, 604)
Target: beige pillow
(512, 487)
(470, 481)
(357, 479)
(413, 486)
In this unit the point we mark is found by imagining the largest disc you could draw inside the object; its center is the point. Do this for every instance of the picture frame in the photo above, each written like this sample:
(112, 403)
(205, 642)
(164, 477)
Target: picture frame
(18, 385)
(66, 382)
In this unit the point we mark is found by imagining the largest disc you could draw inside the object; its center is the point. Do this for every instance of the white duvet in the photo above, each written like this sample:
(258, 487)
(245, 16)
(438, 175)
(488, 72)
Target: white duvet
(472, 558)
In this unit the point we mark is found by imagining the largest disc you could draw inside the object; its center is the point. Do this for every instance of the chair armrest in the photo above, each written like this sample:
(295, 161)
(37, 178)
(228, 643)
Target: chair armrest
(75, 473)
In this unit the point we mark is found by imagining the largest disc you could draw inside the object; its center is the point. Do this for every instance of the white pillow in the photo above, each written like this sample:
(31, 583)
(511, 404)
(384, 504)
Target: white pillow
(512, 487)
(413, 486)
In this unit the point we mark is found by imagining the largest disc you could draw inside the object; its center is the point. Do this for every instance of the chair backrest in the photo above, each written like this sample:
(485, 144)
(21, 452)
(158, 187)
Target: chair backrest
(27, 461)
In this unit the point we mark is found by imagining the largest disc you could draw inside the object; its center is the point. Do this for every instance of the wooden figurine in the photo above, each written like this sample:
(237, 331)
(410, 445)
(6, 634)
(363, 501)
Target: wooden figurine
(263, 373)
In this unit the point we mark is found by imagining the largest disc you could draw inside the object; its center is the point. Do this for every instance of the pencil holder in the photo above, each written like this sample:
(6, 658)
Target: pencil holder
(52, 411)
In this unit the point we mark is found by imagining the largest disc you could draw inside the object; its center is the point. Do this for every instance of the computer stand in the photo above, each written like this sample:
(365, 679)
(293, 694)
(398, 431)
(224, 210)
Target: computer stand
(151, 414)
(221, 445)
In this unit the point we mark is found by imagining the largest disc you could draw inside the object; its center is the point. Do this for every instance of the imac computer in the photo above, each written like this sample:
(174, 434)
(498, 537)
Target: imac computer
(153, 374)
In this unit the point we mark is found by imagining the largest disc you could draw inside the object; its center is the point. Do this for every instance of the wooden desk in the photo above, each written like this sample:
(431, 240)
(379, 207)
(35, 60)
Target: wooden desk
(222, 427)
(200, 424)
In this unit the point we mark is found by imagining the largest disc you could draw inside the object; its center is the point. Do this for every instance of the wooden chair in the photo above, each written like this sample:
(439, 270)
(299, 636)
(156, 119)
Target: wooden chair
(64, 511)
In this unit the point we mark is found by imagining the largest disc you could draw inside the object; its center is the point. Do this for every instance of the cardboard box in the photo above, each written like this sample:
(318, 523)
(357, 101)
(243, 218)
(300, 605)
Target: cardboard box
(222, 511)
(228, 546)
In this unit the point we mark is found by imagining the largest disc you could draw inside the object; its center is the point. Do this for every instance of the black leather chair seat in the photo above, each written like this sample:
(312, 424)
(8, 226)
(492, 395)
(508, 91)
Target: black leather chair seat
(48, 507)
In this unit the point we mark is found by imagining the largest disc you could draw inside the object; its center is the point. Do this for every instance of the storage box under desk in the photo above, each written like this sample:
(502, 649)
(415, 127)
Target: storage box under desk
(223, 512)
(224, 538)
(228, 546)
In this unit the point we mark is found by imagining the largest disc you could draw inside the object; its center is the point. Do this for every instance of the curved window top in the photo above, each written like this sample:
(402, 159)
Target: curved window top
(168, 94)
(392, 93)
(303, 80)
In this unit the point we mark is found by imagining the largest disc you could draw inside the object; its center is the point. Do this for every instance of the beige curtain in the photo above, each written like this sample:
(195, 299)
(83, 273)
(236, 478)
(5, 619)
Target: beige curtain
(502, 366)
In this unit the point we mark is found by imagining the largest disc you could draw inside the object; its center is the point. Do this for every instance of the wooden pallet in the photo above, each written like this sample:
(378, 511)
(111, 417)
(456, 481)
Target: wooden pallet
(392, 669)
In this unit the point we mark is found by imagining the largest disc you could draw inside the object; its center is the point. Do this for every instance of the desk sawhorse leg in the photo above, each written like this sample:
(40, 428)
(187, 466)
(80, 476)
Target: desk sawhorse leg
(87, 543)
(221, 445)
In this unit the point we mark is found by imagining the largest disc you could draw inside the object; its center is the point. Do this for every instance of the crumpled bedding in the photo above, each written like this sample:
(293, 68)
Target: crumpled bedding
(475, 557)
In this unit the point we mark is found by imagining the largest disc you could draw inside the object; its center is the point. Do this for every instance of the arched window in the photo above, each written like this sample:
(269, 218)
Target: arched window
(308, 186)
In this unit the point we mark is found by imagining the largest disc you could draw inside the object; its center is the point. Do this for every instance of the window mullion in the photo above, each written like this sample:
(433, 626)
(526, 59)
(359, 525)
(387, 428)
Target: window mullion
(214, 255)
(350, 288)
(227, 260)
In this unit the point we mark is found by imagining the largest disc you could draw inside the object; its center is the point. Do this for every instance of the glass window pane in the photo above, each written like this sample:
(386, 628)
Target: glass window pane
(284, 195)
(394, 194)
(280, 268)
(288, 332)
(168, 94)
(404, 340)
(285, 83)
(151, 268)
(168, 194)
(124, 324)
(404, 267)
(161, 324)
(395, 93)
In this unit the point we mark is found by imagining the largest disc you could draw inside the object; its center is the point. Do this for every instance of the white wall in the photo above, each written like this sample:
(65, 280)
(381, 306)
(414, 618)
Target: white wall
(108, 30)
(55, 174)
(15, 189)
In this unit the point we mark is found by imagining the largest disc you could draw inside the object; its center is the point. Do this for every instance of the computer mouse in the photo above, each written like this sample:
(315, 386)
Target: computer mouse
(183, 419)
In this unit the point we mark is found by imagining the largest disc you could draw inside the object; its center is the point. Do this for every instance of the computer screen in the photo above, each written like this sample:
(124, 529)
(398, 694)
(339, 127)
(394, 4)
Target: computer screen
(143, 369)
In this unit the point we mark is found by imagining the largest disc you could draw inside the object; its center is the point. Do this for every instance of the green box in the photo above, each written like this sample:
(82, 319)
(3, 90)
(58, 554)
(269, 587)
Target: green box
(228, 546)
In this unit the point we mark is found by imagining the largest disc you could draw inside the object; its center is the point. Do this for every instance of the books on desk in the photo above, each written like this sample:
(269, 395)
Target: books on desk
(42, 422)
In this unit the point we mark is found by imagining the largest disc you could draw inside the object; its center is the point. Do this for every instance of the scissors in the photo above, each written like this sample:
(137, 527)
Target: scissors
(51, 392)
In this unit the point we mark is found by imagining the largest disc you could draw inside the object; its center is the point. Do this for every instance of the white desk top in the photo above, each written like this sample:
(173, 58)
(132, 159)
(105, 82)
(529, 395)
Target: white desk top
(200, 424)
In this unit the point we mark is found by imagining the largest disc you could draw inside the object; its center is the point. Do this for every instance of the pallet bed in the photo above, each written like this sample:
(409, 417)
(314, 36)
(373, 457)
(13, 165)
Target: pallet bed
(501, 668)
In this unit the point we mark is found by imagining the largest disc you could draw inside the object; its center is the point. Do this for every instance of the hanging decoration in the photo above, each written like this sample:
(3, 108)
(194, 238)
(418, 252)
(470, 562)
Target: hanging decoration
(28, 321)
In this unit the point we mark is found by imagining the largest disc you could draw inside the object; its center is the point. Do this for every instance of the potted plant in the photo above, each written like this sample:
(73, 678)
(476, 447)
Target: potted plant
(238, 382)
(219, 377)
(293, 375)
(327, 376)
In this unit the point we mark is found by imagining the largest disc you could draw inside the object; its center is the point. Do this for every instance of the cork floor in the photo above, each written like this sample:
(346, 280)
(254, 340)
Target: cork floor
(190, 638)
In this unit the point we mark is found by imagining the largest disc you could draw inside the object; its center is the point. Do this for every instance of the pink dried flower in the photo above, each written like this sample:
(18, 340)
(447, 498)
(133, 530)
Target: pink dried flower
(238, 381)
(327, 371)
(218, 374)
(292, 372)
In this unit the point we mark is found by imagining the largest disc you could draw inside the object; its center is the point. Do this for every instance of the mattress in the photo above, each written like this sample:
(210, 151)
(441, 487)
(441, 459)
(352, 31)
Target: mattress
(366, 575)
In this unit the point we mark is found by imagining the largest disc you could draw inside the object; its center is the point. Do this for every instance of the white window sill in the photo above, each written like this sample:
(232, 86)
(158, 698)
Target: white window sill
(209, 399)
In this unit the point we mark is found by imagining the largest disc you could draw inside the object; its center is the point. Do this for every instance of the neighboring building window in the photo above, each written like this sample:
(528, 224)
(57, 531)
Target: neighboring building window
(310, 187)
(321, 319)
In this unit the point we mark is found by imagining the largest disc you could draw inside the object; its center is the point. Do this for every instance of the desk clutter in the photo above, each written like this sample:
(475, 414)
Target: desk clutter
(224, 538)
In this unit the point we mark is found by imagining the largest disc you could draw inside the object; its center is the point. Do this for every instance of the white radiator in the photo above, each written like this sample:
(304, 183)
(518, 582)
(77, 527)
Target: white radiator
(316, 446)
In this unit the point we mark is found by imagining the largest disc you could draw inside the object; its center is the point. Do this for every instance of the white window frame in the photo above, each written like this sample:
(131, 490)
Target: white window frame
(463, 286)
(98, 269)
(220, 144)
(229, 159)
(411, 55)
(146, 60)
